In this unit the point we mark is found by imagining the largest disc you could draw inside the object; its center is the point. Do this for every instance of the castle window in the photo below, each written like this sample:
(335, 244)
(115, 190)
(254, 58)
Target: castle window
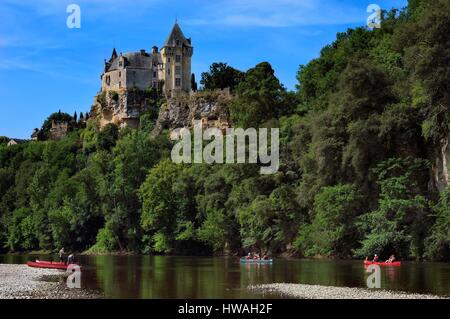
(154, 74)
(168, 60)
(178, 58)
(168, 71)
(120, 74)
(178, 70)
(177, 82)
(120, 64)
(120, 84)
(178, 42)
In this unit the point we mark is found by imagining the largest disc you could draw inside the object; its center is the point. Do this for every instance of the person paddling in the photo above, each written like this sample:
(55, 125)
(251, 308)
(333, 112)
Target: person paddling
(391, 259)
(375, 258)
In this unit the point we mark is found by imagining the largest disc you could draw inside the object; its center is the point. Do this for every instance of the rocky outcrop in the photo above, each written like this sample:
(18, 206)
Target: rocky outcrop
(121, 108)
(441, 165)
(209, 107)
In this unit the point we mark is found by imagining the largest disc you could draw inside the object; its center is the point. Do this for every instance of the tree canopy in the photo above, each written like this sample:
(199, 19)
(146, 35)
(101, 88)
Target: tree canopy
(221, 76)
(359, 140)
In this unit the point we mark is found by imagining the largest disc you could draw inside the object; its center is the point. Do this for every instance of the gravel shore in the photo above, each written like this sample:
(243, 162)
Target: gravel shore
(326, 292)
(23, 282)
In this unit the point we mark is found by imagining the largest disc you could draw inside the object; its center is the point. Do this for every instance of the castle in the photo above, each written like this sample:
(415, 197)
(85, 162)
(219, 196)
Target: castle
(168, 70)
(128, 78)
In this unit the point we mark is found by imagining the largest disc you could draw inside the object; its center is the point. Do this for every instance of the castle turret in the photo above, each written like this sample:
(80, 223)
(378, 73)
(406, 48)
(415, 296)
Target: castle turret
(113, 55)
(176, 54)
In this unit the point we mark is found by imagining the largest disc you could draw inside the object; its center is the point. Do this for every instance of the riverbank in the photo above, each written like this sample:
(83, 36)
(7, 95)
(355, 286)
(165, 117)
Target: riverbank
(328, 292)
(23, 282)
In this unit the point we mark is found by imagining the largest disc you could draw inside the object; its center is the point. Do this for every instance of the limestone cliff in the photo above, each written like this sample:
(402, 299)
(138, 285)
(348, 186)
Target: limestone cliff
(209, 107)
(121, 108)
(441, 165)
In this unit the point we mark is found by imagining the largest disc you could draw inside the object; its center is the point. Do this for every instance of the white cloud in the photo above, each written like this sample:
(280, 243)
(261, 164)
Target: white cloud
(277, 13)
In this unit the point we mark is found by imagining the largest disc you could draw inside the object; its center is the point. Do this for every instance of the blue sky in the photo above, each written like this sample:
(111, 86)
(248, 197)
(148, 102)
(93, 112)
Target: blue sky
(45, 66)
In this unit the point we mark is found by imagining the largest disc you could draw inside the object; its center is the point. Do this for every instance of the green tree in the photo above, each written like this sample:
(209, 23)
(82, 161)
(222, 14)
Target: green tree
(159, 206)
(135, 153)
(332, 232)
(219, 228)
(193, 83)
(4, 140)
(270, 220)
(426, 49)
(221, 76)
(107, 138)
(259, 97)
(438, 243)
(22, 231)
(399, 224)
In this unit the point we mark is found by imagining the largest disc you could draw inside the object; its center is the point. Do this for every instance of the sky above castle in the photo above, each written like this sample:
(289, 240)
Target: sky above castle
(45, 66)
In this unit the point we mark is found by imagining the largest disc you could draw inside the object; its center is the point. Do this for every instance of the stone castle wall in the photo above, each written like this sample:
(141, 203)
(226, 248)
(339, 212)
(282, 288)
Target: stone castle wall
(58, 131)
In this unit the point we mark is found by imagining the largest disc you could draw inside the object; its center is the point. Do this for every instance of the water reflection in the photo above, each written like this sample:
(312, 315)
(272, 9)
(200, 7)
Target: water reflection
(217, 277)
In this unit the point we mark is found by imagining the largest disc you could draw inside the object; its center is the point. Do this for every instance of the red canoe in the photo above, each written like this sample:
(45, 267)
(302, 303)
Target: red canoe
(47, 265)
(380, 263)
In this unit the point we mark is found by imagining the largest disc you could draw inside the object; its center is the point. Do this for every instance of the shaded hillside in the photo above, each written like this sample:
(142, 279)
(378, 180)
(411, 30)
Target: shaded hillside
(364, 163)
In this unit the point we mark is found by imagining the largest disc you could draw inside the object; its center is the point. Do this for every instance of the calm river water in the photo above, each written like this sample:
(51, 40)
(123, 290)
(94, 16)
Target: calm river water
(221, 277)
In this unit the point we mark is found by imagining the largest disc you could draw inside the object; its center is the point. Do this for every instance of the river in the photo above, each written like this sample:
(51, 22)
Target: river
(225, 277)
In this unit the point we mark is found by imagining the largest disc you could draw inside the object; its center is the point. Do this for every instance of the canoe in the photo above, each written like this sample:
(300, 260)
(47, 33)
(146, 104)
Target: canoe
(47, 265)
(381, 263)
(256, 261)
(50, 262)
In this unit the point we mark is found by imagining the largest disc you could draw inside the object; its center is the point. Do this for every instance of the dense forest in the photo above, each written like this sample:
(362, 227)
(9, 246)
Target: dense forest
(358, 138)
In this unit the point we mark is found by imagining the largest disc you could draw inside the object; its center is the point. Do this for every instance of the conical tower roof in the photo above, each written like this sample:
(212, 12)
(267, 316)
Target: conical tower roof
(113, 55)
(176, 34)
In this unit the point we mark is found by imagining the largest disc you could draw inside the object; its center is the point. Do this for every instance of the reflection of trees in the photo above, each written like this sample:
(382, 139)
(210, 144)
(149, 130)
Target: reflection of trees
(153, 277)
(104, 269)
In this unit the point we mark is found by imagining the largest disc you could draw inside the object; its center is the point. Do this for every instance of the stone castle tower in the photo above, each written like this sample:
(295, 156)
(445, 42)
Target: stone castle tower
(127, 78)
(176, 57)
(169, 70)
